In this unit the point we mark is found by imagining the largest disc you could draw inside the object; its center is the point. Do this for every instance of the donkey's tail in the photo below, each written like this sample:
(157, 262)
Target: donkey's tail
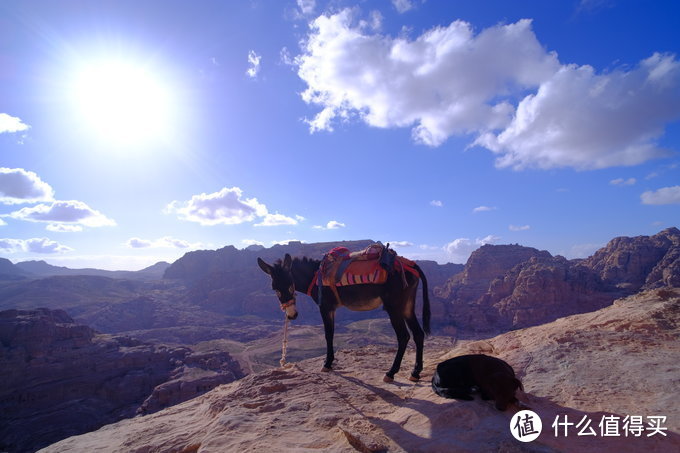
(426, 300)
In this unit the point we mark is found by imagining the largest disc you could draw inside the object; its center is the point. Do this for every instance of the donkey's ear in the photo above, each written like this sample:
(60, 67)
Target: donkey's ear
(287, 262)
(264, 266)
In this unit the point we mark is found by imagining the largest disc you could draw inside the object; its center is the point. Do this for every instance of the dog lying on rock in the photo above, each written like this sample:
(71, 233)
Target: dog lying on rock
(458, 377)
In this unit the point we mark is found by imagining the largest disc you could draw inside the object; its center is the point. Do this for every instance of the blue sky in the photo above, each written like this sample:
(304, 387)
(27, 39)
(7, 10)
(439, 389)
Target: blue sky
(132, 132)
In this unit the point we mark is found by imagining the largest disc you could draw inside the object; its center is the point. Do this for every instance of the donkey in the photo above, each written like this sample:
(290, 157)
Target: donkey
(397, 296)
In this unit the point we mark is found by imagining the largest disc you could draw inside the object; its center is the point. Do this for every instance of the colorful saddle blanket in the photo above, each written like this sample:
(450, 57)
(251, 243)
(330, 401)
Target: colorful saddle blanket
(339, 267)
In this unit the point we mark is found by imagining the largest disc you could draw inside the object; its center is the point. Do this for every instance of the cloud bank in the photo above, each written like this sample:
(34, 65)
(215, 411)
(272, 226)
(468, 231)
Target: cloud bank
(69, 212)
(450, 81)
(34, 245)
(164, 242)
(21, 186)
(665, 195)
(227, 207)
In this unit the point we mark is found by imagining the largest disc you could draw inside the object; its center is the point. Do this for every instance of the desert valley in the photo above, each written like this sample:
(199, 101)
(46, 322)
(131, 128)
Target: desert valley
(184, 356)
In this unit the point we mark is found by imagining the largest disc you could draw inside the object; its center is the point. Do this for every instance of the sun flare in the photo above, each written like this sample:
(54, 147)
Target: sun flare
(121, 102)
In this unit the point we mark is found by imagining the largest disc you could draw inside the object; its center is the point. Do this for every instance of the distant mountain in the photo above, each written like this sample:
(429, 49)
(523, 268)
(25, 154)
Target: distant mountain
(9, 271)
(511, 286)
(43, 269)
(229, 281)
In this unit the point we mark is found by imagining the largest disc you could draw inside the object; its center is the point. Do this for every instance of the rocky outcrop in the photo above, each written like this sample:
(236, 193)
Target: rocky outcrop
(641, 262)
(488, 277)
(542, 289)
(60, 378)
(509, 286)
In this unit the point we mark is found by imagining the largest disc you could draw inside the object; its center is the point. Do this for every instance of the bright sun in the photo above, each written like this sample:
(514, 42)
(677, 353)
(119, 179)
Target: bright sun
(122, 103)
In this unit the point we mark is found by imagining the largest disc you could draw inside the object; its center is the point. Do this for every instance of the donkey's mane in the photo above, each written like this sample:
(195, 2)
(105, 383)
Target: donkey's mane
(303, 260)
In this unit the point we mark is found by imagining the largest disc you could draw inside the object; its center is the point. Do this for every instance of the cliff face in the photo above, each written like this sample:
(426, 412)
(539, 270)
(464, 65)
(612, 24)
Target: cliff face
(510, 286)
(60, 378)
(642, 262)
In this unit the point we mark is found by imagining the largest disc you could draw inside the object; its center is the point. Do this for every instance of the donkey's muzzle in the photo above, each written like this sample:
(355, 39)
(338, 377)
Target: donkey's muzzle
(290, 309)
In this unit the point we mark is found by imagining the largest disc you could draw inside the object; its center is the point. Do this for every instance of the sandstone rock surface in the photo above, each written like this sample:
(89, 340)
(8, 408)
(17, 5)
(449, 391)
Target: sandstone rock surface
(510, 286)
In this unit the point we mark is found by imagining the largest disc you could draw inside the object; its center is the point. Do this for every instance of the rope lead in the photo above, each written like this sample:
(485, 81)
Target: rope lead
(284, 345)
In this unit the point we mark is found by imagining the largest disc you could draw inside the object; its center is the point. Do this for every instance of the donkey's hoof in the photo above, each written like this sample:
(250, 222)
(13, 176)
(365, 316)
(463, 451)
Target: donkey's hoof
(326, 369)
(413, 378)
(386, 378)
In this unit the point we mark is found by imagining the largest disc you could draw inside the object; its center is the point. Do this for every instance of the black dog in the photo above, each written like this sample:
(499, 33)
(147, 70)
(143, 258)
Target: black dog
(456, 377)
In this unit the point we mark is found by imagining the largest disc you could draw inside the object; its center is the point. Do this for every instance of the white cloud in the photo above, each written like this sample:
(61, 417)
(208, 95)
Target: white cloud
(447, 81)
(137, 243)
(460, 249)
(612, 119)
(164, 242)
(285, 57)
(450, 81)
(10, 124)
(581, 251)
(2, 222)
(254, 62)
(249, 242)
(67, 212)
(226, 207)
(276, 219)
(401, 243)
(623, 182)
(665, 195)
(592, 6)
(436, 203)
(286, 241)
(518, 227)
(331, 225)
(63, 228)
(21, 186)
(403, 5)
(306, 7)
(483, 209)
(34, 245)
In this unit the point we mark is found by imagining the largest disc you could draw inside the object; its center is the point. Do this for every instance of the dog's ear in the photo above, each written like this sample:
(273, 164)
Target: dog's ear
(287, 262)
(264, 266)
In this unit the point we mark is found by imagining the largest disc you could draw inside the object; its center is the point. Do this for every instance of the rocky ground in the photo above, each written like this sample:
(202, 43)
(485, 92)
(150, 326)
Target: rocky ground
(621, 360)
(61, 378)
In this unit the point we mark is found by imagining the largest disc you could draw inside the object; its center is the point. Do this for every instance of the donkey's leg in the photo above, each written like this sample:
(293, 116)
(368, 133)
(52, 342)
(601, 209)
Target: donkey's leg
(402, 338)
(328, 317)
(419, 339)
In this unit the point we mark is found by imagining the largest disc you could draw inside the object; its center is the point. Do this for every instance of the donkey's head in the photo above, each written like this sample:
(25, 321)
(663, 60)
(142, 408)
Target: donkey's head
(282, 283)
